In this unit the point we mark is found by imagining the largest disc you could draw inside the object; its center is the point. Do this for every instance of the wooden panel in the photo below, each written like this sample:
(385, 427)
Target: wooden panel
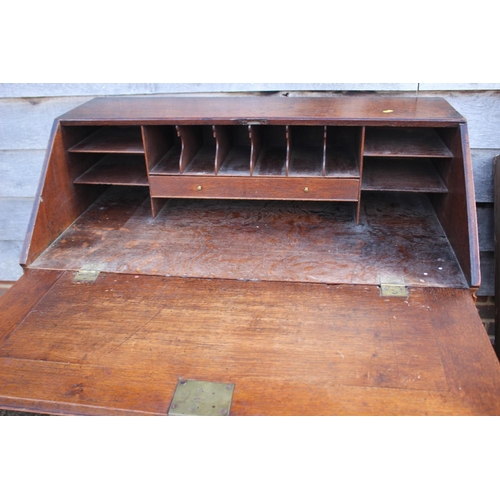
(112, 140)
(124, 170)
(10, 254)
(366, 110)
(496, 247)
(359, 354)
(14, 217)
(58, 201)
(20, 172)
(261, 240)
(255, 188)
(404, 142)
(394, 174)
(456, 209)
(341, 155)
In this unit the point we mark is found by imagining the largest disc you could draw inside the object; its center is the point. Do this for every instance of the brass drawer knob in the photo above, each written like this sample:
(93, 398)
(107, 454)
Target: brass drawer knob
(198, 188)
(306, 189)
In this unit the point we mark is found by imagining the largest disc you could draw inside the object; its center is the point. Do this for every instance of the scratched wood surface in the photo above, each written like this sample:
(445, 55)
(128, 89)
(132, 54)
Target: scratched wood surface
(260, 240)
(119, 345)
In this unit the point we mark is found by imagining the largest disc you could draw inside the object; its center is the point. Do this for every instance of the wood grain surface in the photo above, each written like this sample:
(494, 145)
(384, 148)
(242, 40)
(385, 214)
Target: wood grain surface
(398, 235)
(366, 110)
(120, 345)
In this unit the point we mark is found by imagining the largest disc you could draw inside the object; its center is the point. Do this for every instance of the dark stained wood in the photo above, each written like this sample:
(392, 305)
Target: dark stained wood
(255, 188)
(232, 267)
(235, 159)
(405, 142)
(342, 145)
(116, 169)
(58, 201)
(271, 110)
(395, 174)
(252, 240)
(112, 140)
(198, 150)
(456, 209)
(289, 348)
(496, 236)
(255, 135)
(306, 151)
(158, 143)
(273, 151)
(360, 160)
(223, 143)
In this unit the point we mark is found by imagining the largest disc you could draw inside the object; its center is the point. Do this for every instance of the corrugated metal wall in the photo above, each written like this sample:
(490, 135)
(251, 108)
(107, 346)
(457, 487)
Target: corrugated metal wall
(28, 110)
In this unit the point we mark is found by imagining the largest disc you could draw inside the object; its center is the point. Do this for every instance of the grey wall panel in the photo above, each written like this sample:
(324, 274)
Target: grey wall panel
(482, 165)
(14, 90)
(14, 217)
(485, 228)
(459, 86)
(10, 270)
(26, 123)
(482, 111)
(487, 275)
(20, 172)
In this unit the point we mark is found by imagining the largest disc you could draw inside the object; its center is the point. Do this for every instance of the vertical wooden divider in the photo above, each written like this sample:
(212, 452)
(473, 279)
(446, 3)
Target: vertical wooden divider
(255, 145)
(361, 149)
(323, 165)
(288, 134)
(223, 145)
(191, 142)
(155, 144)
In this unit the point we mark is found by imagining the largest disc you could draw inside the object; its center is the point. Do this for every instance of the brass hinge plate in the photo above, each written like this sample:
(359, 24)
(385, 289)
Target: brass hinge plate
(197, 397)
(87, 276)
(391, 290)
(393, 287)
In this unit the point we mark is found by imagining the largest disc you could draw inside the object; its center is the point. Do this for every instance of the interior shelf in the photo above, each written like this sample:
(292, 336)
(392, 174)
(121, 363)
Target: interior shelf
(405, 142)
(408, 174)
(307, 146)
(198, 150)
(112, 140)
(169, 164)
(341, 152)
(233, 150)
(117, 169)
(270, 150)
(163, 149)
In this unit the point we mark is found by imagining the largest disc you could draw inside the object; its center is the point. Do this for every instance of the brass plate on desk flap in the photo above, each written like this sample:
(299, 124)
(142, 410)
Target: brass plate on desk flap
(86, 276)
(393, 287)
(388, 290)
(196, 397)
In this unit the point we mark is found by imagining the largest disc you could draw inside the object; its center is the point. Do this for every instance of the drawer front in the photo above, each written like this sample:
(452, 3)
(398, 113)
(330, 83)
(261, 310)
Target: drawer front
(255, 188)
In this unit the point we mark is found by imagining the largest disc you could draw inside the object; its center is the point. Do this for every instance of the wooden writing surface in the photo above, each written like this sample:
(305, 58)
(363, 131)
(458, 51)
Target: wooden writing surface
(121, 344)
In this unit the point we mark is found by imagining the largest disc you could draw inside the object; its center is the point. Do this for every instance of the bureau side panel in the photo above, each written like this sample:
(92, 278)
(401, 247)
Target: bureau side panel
(456, 209)
(58, 202)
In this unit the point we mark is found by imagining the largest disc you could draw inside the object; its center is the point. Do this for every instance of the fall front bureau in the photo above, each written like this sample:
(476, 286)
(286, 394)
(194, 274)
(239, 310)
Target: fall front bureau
(249, 241)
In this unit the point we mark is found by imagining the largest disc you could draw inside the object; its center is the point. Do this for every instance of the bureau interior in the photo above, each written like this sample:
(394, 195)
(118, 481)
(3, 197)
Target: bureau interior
(330, 204)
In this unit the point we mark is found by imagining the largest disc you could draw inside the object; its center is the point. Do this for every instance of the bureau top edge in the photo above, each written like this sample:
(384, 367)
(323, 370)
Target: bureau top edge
(343, 110)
